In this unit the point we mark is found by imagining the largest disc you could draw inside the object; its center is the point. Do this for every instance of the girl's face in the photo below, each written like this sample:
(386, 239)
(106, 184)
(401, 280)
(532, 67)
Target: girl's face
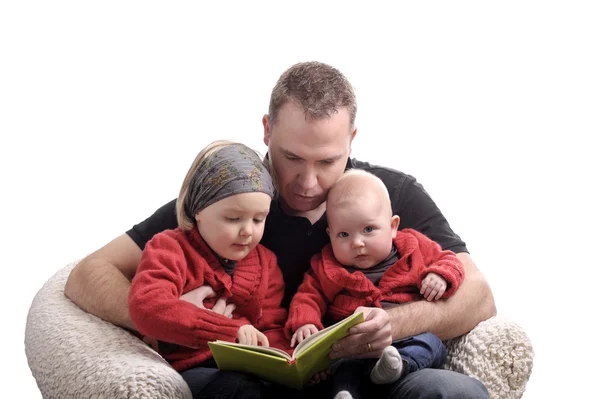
(233, 226)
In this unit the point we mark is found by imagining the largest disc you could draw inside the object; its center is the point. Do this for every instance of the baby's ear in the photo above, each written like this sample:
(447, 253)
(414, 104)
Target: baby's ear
(395, 224)
(327, 230)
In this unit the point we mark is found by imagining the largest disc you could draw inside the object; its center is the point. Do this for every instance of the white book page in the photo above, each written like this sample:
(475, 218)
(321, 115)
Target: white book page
(307, 342)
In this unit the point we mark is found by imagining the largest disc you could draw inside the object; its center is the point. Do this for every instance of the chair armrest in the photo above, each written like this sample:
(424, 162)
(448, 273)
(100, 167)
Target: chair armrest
(498, 353)
(73, 354)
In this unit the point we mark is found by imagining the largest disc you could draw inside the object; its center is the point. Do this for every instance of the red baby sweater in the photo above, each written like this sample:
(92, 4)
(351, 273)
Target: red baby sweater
(173, 263)
(331, 288)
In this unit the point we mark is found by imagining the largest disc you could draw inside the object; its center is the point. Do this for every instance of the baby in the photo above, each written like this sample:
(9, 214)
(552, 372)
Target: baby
(370, 263)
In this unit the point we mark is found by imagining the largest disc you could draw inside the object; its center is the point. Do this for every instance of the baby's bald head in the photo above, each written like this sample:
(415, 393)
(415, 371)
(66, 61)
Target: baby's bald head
(358, 186)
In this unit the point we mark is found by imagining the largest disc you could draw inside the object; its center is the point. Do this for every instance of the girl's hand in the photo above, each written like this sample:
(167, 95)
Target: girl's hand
(249, 335)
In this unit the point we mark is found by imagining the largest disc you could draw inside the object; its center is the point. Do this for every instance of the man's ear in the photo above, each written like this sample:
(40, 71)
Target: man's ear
(352, 135)
(395, 224)
(327, 230)
(267, 129)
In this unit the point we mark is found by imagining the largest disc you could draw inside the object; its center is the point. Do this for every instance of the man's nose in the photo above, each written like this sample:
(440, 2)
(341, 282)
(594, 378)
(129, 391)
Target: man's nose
(307, 179)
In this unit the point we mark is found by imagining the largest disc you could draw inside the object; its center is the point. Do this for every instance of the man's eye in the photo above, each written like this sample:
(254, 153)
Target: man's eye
(327, 162)
(343, 234)
(368, 229)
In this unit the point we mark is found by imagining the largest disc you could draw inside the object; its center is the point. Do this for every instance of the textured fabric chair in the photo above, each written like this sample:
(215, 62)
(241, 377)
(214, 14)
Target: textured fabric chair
(73, 354)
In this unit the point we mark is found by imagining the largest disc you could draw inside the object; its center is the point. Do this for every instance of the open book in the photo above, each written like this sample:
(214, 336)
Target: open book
(276, 365)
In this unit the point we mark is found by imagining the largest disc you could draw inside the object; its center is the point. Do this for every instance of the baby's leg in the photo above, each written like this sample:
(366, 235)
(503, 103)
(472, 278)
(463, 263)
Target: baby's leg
(388, 368)
(421, 351)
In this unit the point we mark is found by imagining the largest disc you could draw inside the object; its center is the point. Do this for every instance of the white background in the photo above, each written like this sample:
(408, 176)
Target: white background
(492, 106)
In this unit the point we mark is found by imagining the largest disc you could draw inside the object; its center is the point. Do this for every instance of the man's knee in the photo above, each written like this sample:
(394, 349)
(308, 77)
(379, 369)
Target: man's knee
(231, 384)
(442, 384)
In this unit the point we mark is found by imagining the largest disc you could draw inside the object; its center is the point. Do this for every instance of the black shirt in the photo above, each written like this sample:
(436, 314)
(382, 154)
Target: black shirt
(294, 240)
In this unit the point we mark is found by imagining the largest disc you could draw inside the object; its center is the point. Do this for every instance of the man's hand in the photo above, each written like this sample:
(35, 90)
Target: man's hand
(248, 335)
(302, 333)
(367, 339)
(433, 286)
(198, 295)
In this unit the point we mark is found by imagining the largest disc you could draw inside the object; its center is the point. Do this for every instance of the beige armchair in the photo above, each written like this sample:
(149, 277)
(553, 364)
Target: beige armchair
(73, 354)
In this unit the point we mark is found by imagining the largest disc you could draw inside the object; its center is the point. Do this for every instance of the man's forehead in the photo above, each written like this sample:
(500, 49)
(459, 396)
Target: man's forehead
(314, 153)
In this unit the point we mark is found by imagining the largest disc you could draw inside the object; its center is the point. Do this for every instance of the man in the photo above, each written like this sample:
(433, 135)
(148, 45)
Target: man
(309, 132)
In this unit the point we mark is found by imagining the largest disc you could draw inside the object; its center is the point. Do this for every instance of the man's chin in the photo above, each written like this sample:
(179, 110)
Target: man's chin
(302, 206)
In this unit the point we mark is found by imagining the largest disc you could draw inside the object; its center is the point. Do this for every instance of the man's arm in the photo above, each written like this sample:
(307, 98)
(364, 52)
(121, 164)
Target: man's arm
(472, 303)
(100, 283)
(450, 318)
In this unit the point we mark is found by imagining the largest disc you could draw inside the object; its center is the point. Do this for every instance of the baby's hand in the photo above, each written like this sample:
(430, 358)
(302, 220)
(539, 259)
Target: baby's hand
(433, 286)
(248, 335)
(302, 333)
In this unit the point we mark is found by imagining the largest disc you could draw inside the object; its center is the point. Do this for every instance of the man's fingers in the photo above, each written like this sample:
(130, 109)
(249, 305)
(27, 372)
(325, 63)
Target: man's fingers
(220, 306)
(358, 345)
(368, 326)
(229, 310)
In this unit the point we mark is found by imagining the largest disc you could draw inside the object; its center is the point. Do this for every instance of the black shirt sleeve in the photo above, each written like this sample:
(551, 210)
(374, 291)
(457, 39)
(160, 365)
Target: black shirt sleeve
(416, 208)
(418, 211)
(164, 218)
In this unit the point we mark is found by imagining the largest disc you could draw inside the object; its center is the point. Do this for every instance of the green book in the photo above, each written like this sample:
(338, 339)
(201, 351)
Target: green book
(276, 365)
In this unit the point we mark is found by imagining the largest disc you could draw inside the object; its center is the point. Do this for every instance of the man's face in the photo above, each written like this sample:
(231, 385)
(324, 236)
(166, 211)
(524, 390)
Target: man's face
(308, 155)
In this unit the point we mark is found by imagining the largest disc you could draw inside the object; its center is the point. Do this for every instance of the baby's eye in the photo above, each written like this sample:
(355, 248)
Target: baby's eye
(368, 229)
(259, 220)
(231, 219)
(343, 234)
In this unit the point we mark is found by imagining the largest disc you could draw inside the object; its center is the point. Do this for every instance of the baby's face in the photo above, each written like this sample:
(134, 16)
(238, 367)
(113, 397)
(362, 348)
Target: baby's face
(361, 232)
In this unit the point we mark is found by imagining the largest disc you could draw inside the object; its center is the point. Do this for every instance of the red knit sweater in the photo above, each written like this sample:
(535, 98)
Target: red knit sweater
(174, 263)
(331, 288)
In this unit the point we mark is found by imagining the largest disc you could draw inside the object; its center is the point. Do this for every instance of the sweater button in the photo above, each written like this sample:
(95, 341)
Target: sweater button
(309, 233)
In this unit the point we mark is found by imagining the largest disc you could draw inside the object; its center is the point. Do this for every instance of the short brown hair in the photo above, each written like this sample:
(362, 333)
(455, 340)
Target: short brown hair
(318, 88)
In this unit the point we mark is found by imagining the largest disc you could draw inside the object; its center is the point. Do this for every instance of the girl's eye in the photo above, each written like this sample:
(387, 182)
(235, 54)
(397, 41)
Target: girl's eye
(368, 229)
(343, 234)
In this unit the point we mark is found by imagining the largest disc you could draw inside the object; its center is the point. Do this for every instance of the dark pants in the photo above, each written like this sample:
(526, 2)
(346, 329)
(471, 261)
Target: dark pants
(207, 381)
(418, 352)
(422, 384)
(419, 381)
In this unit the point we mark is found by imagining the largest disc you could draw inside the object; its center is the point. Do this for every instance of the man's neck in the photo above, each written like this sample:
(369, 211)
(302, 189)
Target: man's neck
(313, 215)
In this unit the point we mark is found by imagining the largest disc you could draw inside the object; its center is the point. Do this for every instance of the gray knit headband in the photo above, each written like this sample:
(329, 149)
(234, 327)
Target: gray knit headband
(231, 170)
